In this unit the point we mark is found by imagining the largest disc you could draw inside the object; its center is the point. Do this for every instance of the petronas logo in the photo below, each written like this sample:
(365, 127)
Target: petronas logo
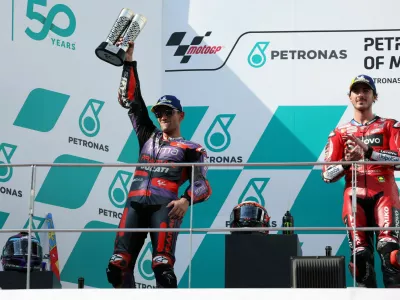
(6, 152)
(217, 137)
(37, 223)
(118, 190)
(89, 122)
(254, 191)
(257, 57)
(144, 263)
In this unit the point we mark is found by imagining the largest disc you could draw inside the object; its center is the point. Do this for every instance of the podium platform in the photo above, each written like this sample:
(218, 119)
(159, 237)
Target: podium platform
(39, 280)
(259, 261)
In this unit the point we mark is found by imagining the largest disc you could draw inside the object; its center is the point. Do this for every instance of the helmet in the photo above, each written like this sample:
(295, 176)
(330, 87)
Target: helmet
(249, 214)
(14, 256)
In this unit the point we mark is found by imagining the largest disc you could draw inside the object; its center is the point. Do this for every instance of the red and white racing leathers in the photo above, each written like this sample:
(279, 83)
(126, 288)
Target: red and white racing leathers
(377, 195)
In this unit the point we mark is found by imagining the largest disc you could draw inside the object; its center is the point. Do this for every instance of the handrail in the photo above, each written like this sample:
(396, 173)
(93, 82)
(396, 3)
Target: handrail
(224, 229)
(272, 164)
(192, 230)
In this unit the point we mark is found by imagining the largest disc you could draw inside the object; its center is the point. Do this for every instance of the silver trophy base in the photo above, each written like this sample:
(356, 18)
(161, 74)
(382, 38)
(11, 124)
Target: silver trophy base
(110, 54)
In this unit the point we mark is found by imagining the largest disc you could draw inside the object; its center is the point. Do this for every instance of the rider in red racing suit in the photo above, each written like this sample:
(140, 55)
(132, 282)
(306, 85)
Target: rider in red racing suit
(154, 188)
(377, 139)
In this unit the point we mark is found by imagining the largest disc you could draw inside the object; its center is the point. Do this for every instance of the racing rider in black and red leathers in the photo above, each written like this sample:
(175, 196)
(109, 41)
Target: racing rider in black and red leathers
(368, 137)
(153, 200)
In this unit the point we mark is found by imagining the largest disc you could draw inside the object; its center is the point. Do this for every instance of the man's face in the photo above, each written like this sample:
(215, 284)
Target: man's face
(362, 96)
(168, 118)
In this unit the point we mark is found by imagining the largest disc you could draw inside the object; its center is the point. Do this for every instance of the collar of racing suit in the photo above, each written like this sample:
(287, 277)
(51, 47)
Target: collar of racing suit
(354, 122)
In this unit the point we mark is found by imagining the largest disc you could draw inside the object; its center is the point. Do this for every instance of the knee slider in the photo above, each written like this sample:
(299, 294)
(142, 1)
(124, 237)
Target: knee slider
(117, 265)
(365, 273)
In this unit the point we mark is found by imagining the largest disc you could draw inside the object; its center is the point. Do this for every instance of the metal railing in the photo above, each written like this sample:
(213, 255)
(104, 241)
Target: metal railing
(191, 230)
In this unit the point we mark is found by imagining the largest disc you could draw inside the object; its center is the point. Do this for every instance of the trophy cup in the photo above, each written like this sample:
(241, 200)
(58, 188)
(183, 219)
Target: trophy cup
(128, 25)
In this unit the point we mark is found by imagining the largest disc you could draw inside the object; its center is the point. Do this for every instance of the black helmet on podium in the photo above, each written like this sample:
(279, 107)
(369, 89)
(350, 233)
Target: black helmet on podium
(249, 214)
(14, 256)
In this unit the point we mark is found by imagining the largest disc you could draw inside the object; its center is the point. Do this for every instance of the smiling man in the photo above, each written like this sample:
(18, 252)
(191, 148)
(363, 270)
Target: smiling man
(368, 137)
(153, 200)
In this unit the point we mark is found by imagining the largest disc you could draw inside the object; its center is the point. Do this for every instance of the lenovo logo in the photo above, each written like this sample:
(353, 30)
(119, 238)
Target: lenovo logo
(373, 140)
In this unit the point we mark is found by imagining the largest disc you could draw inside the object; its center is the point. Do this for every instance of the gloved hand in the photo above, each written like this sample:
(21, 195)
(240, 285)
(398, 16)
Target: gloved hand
(367, 150)
(353, 151)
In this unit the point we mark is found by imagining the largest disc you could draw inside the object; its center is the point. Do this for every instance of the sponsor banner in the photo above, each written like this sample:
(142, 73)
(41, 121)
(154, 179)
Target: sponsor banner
(262, 89)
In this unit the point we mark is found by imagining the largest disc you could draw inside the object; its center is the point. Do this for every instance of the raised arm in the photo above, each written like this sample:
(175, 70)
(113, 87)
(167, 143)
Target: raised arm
(130, 97)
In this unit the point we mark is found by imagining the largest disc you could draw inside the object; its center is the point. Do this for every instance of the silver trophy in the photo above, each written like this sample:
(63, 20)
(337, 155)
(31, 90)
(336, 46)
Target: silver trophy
(128, 25)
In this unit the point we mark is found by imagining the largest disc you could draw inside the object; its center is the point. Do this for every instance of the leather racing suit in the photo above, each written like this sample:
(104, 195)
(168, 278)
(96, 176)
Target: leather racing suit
(152, 188)
(377, 196)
